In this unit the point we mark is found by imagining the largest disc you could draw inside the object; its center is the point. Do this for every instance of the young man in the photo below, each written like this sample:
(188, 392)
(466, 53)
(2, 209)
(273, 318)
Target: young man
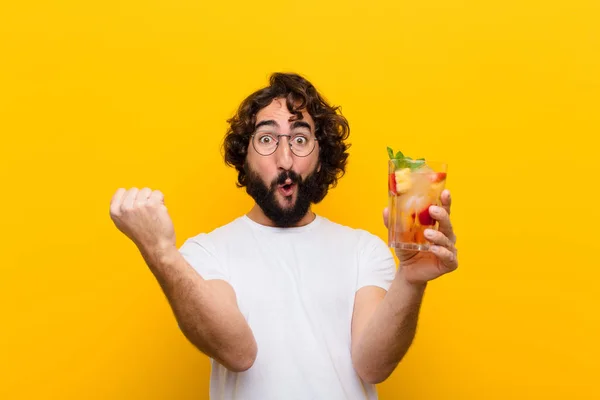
(286, 303)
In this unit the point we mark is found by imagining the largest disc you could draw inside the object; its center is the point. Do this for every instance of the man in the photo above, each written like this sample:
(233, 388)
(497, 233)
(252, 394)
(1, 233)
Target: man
(287, 304)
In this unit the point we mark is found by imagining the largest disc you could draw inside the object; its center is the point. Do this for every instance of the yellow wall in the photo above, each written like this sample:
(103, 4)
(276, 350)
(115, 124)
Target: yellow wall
(98, 95)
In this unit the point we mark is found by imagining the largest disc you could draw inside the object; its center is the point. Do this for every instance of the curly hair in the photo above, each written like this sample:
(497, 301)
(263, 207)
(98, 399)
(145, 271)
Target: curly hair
(331, 127)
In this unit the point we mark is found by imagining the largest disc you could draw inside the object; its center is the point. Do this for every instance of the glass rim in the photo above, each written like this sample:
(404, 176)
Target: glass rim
(426, 161)
(431, 163)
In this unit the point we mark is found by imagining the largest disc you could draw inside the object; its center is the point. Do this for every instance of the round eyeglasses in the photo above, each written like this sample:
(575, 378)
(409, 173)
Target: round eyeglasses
(266, 143)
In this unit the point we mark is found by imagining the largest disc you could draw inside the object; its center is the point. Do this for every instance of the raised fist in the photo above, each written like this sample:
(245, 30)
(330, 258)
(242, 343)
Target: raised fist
(142, 216)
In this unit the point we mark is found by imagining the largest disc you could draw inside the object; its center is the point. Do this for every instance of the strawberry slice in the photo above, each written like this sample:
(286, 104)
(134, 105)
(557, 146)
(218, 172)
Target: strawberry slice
(424, 217)
(392, 183)
(438, 177)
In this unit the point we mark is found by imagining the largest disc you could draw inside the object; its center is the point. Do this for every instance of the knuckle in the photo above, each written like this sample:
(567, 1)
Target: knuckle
(125, 208)
(454, 261)
(450, 262)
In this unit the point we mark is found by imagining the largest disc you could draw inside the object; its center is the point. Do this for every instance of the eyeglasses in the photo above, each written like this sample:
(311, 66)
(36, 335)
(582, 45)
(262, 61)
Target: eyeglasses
(266, 143)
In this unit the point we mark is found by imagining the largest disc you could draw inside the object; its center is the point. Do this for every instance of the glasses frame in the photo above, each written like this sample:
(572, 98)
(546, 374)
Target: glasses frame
(278, 138)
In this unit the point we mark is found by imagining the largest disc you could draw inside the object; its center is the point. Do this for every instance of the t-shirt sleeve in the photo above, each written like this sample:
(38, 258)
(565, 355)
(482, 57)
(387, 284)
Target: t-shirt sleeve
(376, 265)
(201, 254)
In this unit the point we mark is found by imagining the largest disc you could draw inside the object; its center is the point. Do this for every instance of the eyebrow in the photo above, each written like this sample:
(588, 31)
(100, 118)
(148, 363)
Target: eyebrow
(295, 124)
(269, 122)
(301, 124)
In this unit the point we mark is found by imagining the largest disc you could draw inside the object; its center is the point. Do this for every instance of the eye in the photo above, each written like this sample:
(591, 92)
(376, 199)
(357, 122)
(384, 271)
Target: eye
(265, 139)
(300, 139)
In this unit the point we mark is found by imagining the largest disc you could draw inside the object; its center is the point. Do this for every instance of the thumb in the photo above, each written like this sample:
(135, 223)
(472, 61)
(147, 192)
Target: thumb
(386, 214)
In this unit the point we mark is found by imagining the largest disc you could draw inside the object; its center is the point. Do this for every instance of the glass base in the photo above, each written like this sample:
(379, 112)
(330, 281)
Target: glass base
(411, 246)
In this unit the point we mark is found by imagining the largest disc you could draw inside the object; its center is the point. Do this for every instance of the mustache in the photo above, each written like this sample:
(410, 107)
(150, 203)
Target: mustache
(294, 177)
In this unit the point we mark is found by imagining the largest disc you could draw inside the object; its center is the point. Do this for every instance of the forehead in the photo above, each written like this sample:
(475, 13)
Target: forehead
(278, 111)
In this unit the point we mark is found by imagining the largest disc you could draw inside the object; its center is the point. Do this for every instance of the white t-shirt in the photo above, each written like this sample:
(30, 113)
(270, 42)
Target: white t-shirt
(295, 287)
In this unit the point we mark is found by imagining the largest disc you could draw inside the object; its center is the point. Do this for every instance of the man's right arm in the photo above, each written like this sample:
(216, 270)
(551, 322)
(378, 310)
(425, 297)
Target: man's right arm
(206, 310)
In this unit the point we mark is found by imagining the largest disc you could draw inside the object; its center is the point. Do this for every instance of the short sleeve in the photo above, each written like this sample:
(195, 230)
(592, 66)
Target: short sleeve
(201, 254)
(376, 265)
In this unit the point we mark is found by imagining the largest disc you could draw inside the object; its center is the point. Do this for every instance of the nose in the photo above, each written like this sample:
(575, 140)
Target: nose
(283, 154)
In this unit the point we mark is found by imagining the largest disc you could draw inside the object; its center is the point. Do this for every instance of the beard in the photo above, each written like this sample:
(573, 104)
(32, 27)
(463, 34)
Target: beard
(266, 196)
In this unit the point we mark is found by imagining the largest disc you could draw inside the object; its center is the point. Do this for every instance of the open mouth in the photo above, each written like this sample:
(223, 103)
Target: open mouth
(287, 189)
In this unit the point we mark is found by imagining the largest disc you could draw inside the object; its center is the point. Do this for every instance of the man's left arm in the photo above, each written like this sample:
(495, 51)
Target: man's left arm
(384, 323)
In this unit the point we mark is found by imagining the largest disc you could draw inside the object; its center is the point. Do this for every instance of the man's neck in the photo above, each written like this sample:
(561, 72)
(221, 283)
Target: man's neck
(257, 215)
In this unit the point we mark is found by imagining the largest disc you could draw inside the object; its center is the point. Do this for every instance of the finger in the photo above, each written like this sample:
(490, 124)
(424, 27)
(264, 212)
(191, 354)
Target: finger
(447, 257)
(156, 197)
(115, 201)
(129, 199)
(446, 200)
(386, 216)
(438, 238)
(440, 214)
(143, 195)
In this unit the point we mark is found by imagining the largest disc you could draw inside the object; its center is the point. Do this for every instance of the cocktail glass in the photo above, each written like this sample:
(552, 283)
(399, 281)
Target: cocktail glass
(414, 185)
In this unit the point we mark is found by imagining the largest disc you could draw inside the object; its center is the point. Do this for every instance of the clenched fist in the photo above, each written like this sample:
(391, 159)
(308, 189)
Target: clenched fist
(142, 216)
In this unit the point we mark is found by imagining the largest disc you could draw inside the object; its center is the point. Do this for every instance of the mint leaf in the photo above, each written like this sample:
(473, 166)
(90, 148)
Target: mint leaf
(416, 164)
(402, 163)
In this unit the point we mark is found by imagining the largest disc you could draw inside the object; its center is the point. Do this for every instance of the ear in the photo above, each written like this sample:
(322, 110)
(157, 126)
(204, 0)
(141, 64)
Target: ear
(319, 167)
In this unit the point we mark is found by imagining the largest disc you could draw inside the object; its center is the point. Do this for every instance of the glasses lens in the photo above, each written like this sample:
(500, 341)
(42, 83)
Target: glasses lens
(302, 145)
(264, 143)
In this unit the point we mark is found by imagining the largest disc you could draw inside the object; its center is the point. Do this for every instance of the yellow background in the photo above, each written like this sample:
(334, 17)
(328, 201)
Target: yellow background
(99, 95)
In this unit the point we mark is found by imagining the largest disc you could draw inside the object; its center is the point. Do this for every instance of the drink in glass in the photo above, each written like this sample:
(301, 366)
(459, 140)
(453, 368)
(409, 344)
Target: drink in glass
(413, 186)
